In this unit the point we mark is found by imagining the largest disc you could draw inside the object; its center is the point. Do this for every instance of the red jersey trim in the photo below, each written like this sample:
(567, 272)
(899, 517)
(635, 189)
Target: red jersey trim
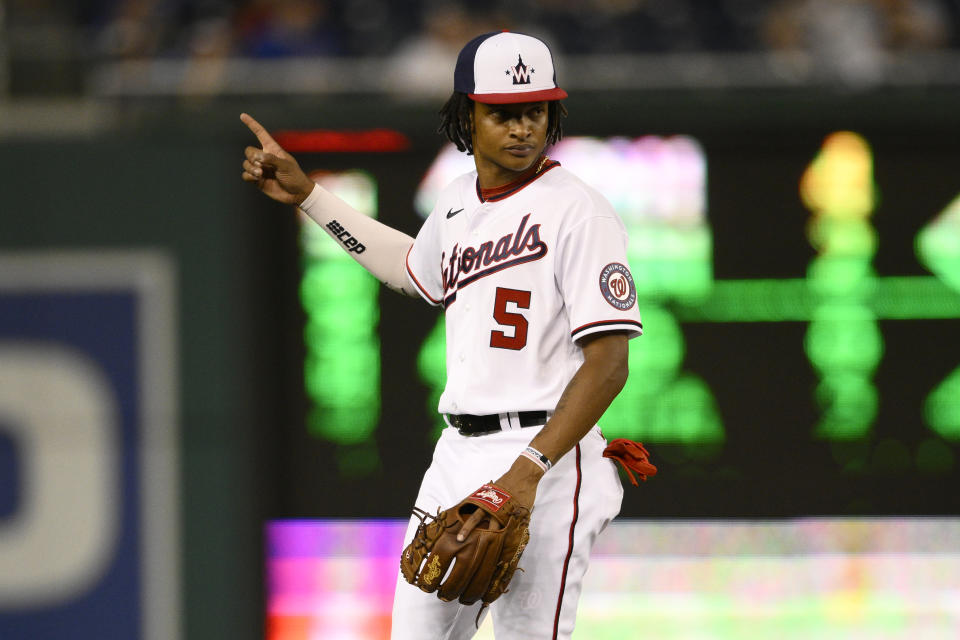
(413, 278)
(502, 192)
(610, 325)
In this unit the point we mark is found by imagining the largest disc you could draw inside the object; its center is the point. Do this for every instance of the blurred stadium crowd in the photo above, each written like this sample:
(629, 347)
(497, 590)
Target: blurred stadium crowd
(417, 31)
(271, 28)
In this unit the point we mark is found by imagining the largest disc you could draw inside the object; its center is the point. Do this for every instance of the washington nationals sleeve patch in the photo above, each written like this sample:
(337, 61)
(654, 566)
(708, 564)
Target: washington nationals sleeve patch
(616, 285)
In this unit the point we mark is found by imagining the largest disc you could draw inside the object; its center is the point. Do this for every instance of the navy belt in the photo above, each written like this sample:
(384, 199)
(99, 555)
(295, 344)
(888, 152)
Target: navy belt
(470, 425)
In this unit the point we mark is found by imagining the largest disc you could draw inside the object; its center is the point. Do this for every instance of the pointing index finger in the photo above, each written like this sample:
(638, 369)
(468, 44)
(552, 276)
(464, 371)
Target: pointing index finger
(257, 129)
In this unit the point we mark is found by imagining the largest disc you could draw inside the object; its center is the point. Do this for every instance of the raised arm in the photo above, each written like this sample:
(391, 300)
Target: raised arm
(380, 249)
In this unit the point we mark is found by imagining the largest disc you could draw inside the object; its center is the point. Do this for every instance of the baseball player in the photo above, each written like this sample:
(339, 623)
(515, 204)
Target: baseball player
(530, 266)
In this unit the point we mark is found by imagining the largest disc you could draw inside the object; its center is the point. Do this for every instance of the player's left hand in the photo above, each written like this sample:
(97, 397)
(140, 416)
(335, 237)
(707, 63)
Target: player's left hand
(479, 567)
(520, 482)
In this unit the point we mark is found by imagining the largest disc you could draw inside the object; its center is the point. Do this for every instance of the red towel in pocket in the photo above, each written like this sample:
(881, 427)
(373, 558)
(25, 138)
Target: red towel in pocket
(632, 457)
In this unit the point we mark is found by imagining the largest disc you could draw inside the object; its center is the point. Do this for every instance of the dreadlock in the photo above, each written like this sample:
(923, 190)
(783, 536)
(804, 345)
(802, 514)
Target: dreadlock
(456, 114)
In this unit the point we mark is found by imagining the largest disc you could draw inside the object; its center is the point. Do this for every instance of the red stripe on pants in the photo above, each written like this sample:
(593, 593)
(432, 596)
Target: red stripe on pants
(566, 562)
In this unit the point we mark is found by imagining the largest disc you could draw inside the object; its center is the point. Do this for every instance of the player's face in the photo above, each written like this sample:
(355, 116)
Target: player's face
(507, 139)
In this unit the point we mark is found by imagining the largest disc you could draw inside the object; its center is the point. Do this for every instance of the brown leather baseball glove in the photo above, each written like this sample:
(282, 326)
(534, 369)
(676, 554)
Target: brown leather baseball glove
(483, 564)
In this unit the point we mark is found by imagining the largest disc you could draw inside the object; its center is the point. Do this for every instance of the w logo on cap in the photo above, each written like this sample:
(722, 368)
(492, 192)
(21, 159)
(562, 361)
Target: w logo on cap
(484, 73)
(521, 72)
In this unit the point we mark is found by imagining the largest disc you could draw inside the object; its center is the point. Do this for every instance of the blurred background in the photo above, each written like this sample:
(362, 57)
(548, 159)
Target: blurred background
(212, 421)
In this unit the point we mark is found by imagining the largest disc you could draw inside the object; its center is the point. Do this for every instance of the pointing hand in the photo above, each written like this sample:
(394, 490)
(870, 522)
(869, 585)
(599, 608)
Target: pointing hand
(274, 171)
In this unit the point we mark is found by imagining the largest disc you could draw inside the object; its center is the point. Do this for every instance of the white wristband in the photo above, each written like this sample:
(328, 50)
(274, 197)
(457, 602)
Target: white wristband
(537, 458)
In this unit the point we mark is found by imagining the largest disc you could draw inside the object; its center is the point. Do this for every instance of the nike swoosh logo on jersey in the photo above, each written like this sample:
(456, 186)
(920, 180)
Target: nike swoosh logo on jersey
(452, 213)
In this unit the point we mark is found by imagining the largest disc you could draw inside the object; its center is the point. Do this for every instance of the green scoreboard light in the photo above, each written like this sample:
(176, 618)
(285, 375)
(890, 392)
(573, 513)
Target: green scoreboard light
(341, 370)
(835, 315)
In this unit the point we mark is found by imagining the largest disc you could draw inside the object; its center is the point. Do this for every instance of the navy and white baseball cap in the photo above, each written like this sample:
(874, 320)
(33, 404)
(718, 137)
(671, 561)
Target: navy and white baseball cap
(504, 68)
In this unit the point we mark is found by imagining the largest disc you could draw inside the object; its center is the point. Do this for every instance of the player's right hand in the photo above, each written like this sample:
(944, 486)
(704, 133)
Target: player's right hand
(274, 171)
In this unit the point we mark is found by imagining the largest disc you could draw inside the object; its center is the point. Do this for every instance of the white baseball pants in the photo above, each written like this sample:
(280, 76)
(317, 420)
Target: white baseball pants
(576, 499)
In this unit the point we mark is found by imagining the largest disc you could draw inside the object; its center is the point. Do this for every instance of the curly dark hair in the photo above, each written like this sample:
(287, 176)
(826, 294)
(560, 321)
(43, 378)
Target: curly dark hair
(456, 114)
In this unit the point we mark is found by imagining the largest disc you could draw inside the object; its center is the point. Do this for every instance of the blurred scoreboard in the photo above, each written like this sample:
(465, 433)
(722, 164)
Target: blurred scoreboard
(801, 310)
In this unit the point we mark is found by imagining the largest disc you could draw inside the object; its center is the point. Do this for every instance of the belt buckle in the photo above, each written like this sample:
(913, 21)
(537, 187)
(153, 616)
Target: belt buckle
(464, 426)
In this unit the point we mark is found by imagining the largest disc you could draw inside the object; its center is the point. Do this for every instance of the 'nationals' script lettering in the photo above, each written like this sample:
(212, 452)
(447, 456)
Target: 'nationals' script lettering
(464, 266)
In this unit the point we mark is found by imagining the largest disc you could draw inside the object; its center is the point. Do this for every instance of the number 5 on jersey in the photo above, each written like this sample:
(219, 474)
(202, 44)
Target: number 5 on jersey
(518, 340)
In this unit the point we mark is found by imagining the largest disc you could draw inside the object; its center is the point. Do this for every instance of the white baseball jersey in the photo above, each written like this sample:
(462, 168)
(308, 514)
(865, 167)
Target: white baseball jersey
(522, 274)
